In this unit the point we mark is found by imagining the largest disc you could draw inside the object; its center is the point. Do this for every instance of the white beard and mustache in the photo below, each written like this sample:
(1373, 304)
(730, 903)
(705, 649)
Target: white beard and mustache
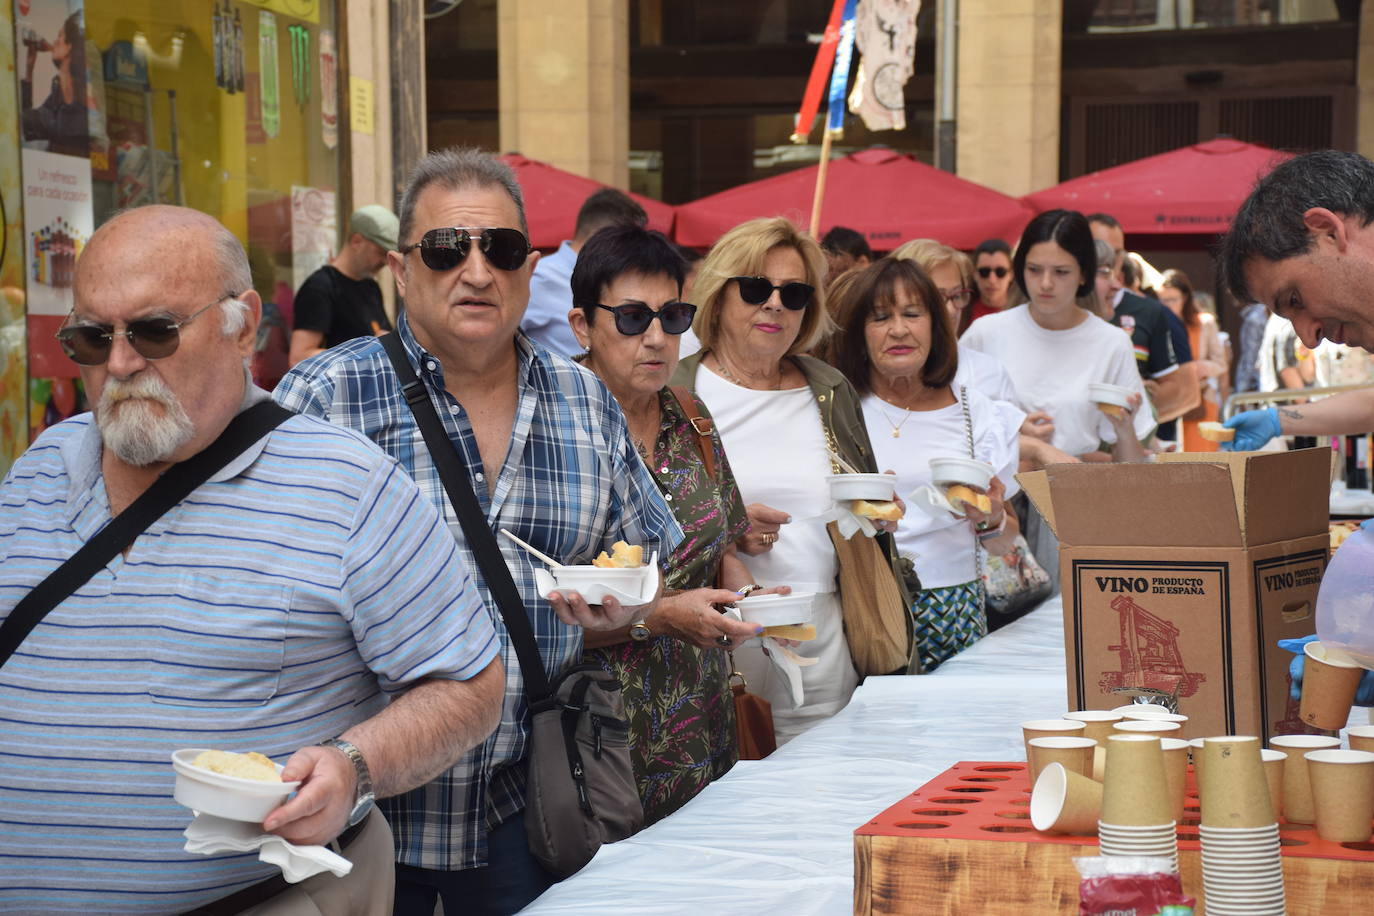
(132, 428)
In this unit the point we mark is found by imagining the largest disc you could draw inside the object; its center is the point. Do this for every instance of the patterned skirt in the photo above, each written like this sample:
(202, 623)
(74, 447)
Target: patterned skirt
(682, 717)
(948, 620)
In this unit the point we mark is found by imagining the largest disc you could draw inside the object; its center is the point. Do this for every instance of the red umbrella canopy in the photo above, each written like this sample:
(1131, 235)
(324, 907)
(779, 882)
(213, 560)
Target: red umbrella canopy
(1196, 189)
(889, 197)
(553, 197)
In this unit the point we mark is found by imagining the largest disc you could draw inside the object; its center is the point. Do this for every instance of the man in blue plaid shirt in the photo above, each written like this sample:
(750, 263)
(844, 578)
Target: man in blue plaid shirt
(550, 458)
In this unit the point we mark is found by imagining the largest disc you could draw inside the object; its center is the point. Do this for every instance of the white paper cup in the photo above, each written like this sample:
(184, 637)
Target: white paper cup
(874, 487)
(967, 471)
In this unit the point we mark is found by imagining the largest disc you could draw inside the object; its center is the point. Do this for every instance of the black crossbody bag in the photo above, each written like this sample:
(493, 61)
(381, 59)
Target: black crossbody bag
(179, 481)
(581, 790)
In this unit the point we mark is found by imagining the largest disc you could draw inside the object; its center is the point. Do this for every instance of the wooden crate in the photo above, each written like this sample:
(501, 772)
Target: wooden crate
(963, 844)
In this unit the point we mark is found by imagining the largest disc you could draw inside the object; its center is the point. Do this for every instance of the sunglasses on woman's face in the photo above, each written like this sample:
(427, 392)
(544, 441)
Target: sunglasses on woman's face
(756, 290)
(986, 272)
(151, 338)
(445, 249)
(635, 318)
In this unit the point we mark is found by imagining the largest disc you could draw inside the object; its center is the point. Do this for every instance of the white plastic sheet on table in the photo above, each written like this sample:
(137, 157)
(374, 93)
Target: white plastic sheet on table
(776, 835)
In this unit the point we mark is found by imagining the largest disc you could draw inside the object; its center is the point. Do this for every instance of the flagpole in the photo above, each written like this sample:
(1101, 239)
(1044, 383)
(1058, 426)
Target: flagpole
(820, 184)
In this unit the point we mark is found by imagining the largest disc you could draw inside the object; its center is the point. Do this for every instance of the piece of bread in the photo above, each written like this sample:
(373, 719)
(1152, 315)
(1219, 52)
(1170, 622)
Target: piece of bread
(623, 556)
(1113, 410)
(251, 765)
(960, 496)
(1340, 531)
(884, 511)
(1215, 432)
(801, 632)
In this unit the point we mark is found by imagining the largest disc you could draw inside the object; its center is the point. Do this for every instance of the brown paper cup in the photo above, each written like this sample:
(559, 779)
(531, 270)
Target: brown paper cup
(1329, 682)
(1273, 774)
(1235, 792)
(1297, 789)
(1065, 802)
(1343, 792)
(1361, 737)
(1135, 792)
(1195, 752)
(1049, 728)
(1176, 773)
(1100, 761)
(1150, 726)
(1076, 754)
(1097, 722)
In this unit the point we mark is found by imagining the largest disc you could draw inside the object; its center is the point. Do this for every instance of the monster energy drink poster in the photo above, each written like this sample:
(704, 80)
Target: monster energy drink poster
(268, 87)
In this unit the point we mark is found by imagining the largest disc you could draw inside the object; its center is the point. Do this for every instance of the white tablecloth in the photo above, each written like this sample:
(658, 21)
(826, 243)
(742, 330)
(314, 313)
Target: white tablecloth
(776, 835)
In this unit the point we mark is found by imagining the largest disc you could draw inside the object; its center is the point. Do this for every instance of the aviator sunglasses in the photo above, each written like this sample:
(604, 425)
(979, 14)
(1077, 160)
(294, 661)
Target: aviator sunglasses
(635, 318)
(756, 290)
(445, 249)
(151, 338)
(986, 272)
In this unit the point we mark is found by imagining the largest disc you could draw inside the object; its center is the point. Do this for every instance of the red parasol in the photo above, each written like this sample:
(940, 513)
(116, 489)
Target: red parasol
(1196, 189)
(553, 197)
(889, 197)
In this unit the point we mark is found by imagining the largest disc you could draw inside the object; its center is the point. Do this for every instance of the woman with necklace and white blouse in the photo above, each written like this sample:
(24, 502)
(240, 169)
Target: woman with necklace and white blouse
(895, 343)
(759, 307)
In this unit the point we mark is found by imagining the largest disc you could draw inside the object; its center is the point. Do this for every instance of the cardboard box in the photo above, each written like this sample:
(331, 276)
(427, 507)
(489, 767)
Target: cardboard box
(1185, 573)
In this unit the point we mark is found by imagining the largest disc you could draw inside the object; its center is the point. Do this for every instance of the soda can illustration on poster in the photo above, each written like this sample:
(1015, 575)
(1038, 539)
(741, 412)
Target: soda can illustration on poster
(269, 85)
(329, 90)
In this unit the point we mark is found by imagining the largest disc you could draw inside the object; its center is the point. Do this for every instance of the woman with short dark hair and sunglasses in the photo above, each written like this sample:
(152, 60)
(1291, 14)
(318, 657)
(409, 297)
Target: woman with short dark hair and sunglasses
(780, 414)
(673, 666)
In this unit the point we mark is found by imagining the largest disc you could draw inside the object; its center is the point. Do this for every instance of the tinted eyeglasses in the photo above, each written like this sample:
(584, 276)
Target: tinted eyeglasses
(756, 290)
(959, 297)
(151, 338)
(445, 249)
(634, 318)
(986, 272)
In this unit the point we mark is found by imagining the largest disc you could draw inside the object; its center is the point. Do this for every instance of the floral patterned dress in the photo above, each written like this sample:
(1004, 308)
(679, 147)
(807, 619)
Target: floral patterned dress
(677, 696)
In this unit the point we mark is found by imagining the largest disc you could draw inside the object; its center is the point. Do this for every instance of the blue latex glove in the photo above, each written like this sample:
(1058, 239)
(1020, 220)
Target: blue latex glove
(1254, 429)
(1364, 695)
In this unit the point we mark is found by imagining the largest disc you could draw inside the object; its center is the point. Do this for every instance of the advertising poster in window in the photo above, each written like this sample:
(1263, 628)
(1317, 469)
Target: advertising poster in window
(56, 110)
(14, 427)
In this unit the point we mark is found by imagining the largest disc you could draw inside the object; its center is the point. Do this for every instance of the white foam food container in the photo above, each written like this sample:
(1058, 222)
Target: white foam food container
(208, 792)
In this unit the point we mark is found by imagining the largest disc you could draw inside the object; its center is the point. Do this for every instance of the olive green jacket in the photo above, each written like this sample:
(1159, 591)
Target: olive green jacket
(842, 418)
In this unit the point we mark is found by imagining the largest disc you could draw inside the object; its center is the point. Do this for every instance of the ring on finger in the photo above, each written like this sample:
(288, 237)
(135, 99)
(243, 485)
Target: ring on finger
(769, 538)
(723, 641)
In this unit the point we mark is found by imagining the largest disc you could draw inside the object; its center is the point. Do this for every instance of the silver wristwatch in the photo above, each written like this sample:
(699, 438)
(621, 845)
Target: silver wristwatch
(363, 797)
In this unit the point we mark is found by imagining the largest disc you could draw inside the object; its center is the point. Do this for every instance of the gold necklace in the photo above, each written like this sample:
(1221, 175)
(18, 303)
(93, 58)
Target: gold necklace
(896, 427)
(720, 363)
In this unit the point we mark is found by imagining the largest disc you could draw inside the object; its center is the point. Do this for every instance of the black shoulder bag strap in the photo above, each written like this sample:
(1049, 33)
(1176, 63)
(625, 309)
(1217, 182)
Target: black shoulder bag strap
(475, 528)
(179, 481)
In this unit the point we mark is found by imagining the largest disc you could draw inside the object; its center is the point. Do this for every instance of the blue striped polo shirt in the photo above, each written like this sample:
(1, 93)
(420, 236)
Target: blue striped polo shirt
(279, 604)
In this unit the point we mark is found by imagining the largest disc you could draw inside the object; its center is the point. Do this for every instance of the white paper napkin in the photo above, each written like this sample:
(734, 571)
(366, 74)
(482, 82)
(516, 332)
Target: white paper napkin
(845, 520)
(208, 835)
(783, 658)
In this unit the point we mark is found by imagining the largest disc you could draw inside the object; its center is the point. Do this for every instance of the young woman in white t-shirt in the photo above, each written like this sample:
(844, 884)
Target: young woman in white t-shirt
(896, 345)
(1053, 349)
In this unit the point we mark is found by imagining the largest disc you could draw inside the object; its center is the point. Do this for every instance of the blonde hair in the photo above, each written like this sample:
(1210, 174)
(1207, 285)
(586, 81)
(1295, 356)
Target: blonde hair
(930, 254)
(741, 253)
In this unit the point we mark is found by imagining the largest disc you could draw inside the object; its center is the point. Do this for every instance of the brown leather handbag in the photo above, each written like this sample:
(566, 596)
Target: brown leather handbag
(753, 719)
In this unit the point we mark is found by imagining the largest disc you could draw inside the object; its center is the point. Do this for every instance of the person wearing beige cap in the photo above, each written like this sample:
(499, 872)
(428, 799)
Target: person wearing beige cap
(341, 300)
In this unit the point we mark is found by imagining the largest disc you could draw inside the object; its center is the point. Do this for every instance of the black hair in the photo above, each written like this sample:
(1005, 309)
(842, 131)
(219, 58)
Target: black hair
(689, 255)
(1269, 224)
(992, 246)
(608, 207)
(1069, 230)
(1105, 219)
(618, 250)
(843, 240)
(1128, 272)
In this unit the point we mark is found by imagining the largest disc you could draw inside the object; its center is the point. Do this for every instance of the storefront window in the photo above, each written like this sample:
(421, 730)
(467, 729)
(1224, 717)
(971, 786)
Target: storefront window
(231, 108)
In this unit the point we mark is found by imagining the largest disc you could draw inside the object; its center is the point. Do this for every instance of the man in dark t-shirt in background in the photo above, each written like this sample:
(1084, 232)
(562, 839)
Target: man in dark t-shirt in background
(341, 301)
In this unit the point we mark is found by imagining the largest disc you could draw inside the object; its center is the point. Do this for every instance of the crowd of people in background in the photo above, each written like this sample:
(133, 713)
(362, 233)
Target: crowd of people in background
(620, 388)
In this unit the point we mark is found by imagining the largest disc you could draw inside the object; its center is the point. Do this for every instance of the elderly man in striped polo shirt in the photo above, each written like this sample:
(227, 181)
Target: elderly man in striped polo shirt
(305, 602)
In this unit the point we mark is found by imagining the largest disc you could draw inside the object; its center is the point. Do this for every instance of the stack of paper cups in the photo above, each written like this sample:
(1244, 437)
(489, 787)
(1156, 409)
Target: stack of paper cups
(1137, 815)
(1242, 871)
(1297, 787)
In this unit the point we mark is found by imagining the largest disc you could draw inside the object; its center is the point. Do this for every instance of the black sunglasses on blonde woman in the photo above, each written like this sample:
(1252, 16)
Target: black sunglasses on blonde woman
(756, 290)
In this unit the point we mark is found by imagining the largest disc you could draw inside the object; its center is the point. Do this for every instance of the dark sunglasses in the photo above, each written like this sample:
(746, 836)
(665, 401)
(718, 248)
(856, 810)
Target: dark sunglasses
(151, 338)
(635, 318)
(986, 272)
(756, 290)
(445, 249)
